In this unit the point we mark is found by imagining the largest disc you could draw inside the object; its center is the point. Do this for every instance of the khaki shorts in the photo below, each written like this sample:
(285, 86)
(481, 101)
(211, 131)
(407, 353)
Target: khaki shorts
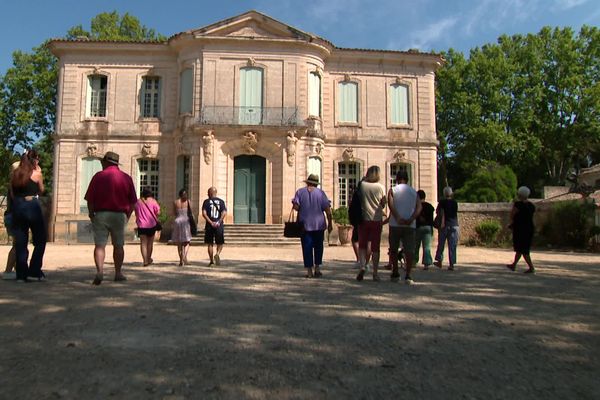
(105, 222)
(404, 235)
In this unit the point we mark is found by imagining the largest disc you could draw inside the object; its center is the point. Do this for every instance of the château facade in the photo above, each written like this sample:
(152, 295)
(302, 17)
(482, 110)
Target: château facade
(249, 105)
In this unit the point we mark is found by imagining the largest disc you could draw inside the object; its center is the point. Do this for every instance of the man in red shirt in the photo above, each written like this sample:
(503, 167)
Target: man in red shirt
(111, 198)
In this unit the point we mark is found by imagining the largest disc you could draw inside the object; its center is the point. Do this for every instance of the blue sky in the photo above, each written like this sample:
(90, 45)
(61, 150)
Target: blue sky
(379, 24)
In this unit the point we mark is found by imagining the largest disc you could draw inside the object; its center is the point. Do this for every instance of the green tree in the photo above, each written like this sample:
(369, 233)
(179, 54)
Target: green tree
(490, 183)
(530, 102)
(28, 91)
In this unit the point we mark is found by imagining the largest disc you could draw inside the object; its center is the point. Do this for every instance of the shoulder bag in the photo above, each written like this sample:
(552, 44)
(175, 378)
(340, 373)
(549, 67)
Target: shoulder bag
(293, 228)
(355, 210)
(193, 226)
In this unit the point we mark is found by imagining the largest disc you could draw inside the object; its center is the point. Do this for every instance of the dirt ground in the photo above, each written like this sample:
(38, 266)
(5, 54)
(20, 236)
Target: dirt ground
(255, 328)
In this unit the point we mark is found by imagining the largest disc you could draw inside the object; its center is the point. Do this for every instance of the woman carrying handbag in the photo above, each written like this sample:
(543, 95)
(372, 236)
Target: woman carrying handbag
(146, 219)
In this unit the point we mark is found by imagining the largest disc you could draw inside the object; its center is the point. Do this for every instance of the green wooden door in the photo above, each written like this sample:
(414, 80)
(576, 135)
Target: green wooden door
(249, 190)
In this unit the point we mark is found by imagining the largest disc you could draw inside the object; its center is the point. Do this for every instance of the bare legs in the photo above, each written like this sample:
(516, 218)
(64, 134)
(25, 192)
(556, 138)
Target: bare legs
(182, 250)
(527, 259)
(146, 247)
(214, 258)
(100, 255)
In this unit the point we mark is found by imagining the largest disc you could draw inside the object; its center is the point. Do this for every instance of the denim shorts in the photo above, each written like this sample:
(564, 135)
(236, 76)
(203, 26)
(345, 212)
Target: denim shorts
(105, 222)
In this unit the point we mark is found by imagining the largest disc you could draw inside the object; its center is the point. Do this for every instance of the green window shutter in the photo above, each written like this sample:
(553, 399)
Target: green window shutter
(314, 167)
(251, 96)
(185, 91)
(399, 104)
(157, 96)
(348, 93)
(89, 167)
(88, 100)
(314, 92)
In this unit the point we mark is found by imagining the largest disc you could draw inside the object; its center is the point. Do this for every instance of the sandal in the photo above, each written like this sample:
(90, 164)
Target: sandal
(511, 266)
(120, 278)
(97, 280)
(309, 273)
(361, 275)
(318, 273)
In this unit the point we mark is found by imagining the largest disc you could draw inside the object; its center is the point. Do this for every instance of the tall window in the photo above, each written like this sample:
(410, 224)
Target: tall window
(314, 92)
(251, 96)
(89, 167)
(186, 87)
(348, 102)
(148, 173)
(394, 168)
(314, 167)
(399, 104)
(348, 176)
(183, 173)
(150, 97)
(96, 96)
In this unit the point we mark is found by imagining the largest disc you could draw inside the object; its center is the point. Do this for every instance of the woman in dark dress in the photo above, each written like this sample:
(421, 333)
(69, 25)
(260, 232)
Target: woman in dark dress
(521, 223)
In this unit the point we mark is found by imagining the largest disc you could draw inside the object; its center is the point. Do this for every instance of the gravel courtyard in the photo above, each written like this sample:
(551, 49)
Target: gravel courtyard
(255, 328)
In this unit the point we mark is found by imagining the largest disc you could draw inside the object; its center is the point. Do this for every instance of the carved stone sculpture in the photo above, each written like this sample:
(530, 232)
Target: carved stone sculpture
(291, 147)
(208, 140)
(92, 150)
(250, 142)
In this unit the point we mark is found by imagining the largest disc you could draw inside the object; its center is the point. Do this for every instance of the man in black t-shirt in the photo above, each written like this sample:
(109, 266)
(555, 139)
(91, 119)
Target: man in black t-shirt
(214, 212)
(424, 231)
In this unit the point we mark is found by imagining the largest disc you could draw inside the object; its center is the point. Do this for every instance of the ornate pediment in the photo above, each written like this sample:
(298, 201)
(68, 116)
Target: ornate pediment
(252, 25)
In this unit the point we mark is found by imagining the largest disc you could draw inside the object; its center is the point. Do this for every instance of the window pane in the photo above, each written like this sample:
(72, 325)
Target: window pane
(149, 176)
(347, 180)
(97, 95)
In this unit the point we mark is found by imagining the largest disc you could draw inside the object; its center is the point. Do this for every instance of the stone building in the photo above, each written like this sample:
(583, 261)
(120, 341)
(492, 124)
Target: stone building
(249, 105)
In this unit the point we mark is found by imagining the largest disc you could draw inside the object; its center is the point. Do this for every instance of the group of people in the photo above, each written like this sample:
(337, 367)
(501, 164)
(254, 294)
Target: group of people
(411, 226)
(111, 199)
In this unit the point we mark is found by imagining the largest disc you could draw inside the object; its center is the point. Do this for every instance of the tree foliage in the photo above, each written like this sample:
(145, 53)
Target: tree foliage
(530, 102)
(28, 91)
(490, 183)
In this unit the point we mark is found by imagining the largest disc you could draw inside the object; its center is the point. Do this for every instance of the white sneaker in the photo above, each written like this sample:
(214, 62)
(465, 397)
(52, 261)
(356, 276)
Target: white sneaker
(409, 281)
(9, 276)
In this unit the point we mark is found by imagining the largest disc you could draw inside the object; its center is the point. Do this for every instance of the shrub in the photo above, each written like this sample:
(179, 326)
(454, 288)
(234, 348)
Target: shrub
(340, 216)
(489, 184)
(569, 223)
(163, 216)
(487, 231)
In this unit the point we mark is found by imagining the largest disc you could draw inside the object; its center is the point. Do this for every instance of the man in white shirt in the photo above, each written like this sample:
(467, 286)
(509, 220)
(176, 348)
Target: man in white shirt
(405, 207)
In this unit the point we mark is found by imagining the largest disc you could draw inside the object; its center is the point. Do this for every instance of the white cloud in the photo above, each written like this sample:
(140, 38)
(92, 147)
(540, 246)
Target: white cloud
(568, 4)
(424, 38)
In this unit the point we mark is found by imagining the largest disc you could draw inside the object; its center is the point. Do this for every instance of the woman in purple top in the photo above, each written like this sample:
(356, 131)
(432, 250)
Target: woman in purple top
(146, 219)
(311, 202)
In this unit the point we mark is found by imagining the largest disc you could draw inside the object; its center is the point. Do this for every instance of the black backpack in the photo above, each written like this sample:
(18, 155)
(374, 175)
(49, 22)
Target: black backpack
(355, 210)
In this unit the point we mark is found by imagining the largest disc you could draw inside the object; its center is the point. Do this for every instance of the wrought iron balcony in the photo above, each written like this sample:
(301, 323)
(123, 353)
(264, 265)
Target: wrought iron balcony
(269, 116)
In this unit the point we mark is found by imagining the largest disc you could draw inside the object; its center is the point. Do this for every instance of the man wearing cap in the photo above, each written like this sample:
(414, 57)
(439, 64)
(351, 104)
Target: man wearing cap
(311, 202)
(405, 207)
(111, 199)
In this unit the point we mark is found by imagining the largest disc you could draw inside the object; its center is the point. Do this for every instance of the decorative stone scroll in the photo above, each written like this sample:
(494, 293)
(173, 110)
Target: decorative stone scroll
(207, 141)
(250, 142)
(290, 147)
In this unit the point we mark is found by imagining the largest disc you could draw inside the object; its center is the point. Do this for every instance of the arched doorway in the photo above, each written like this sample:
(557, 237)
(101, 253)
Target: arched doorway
(249, 189)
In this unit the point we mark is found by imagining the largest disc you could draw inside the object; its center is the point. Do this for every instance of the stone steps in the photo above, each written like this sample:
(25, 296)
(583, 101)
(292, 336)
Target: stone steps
(251, 234)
